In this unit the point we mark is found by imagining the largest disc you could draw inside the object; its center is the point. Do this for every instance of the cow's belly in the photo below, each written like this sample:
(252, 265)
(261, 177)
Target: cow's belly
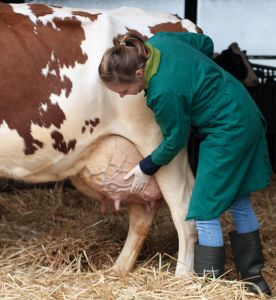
(103, 176)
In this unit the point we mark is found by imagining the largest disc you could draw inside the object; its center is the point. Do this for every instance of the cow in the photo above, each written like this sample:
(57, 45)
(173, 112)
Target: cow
(58, 121)
(234, 60)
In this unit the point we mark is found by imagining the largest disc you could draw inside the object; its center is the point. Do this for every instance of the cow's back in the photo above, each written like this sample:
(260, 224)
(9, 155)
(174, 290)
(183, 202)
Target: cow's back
(53, 106)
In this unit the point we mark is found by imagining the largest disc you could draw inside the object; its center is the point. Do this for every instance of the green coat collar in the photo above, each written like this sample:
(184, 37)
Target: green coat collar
(152, 63)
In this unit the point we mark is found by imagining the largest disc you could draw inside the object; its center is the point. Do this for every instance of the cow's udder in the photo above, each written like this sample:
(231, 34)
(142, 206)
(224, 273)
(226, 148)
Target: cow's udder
(103, 177)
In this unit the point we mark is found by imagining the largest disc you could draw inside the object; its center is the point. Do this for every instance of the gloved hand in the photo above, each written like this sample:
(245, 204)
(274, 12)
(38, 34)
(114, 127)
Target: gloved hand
(140, 179)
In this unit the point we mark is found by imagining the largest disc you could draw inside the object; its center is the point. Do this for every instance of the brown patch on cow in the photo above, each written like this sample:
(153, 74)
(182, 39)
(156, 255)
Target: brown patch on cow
(40, 10)
(94, 122)
(90, 123)
(167, 27)
(92, 17)
(5, 8)
(27, 48)
(30, 145)
(60, 144)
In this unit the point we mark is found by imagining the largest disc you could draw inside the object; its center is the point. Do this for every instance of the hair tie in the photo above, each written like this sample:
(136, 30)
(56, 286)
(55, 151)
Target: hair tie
(122, 44)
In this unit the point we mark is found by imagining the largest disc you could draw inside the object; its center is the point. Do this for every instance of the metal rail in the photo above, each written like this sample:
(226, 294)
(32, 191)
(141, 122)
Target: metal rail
(261, 56)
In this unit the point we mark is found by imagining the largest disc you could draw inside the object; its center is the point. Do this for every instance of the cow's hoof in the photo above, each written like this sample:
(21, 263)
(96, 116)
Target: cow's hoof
(118, 270)
(183, 271)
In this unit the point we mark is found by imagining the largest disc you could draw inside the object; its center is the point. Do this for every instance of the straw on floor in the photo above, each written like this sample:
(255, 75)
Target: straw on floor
(55, 244)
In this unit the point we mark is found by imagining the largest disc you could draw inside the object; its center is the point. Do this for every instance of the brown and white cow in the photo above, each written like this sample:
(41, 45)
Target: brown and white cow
(58, 121)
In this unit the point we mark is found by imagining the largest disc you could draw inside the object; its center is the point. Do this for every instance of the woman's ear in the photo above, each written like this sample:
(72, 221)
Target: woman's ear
(140, 73)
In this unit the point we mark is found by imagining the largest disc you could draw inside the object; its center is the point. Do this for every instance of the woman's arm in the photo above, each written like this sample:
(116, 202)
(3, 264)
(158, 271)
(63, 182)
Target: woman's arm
(172, 115)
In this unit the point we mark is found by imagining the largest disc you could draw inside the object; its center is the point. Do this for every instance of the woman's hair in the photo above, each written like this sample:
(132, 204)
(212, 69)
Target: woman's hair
(120, 62)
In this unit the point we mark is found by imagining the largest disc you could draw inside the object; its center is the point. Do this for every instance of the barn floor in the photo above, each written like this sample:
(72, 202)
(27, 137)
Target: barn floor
(56, 245)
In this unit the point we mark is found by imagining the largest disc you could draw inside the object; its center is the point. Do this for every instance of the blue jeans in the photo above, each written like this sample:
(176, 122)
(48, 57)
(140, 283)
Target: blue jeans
(245, 220)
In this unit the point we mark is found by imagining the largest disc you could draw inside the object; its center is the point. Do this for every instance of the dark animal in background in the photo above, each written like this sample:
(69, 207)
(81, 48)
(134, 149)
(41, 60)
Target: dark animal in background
(234, 61)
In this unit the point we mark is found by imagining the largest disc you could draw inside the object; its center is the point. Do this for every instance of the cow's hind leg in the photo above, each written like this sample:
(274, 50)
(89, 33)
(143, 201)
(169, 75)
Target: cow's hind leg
(186, 237)
(140, 221)
(176, 190)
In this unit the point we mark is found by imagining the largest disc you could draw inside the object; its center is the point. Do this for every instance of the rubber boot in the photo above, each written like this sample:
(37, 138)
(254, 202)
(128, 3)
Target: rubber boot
(209, 260)
(249, 259)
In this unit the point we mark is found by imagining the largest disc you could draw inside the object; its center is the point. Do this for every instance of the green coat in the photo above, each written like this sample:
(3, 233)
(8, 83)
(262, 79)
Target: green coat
(186, 88)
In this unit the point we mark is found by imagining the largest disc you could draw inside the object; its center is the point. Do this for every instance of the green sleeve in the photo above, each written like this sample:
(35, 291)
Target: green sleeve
(199, 41)
(174, 120)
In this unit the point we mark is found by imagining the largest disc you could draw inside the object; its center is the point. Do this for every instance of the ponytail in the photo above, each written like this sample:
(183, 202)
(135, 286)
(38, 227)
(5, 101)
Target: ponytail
(119, 63)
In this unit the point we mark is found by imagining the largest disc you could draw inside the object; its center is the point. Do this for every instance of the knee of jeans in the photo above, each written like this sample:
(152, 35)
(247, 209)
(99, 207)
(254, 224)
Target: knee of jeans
(209, 224)
(241, 203)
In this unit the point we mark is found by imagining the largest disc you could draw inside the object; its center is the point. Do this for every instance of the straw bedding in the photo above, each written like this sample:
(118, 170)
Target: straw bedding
(55, 244)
